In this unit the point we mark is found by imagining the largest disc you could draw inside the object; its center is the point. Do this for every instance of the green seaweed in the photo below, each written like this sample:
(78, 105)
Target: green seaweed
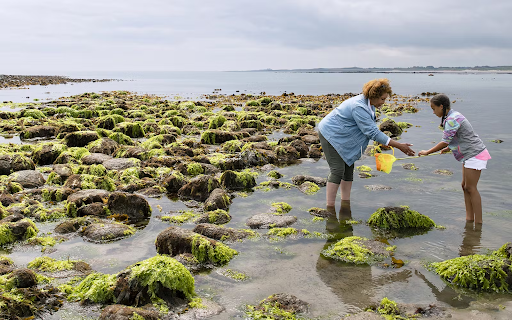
(205, 251)
(351, 249)
(388, 219)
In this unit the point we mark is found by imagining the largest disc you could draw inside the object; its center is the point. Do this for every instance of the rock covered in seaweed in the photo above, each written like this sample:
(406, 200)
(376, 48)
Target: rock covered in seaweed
(222, 233)
(358, 250)
(278, 306)
(175, 240)
(394, 218)
(490, 272)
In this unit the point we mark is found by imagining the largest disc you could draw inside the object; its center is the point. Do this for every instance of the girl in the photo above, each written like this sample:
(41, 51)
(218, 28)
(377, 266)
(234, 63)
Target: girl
(467, 147)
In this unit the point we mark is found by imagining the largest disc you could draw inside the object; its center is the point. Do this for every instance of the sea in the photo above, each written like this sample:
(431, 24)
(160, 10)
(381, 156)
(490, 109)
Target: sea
(296, 266)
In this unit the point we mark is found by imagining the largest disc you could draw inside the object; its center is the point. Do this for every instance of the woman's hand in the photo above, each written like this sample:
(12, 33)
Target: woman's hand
(423, 153)
(404, 147)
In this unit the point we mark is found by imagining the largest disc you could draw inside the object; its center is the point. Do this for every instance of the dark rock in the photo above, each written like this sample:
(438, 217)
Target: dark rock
(95, 158)
(301, 148)
(63, 170)
(286, 302)
(173, 183)
(311, 139)
(199, 188)
(300, 179)
(221, 233)
(258, 138)
(106, 231)
(237, 181)
(131, 205)
(119, 164)
(93, 209)
(39, 132)
(72, 225)
(121, 312)
(28, 178)
(5, 164)
(12, 218)
(214, 217)
(286, 154)
(218, 199)
(106, 146)
(80, 138)
(268, 220)
(315, 151)
(392, 127)
(88, 196)
(7, 199)
(24, 278)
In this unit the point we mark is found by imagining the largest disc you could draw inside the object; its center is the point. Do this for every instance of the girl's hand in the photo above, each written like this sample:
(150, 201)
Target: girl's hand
(423, 153)
(445, 150)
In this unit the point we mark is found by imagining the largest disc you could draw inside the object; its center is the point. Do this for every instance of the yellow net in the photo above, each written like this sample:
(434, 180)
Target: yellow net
(385, 161)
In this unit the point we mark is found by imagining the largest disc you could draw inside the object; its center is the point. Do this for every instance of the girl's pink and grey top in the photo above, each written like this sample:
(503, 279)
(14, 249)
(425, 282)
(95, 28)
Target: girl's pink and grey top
(462, 139)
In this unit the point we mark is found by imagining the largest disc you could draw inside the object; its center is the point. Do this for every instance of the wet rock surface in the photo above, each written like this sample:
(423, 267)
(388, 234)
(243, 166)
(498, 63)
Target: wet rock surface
(269, 220)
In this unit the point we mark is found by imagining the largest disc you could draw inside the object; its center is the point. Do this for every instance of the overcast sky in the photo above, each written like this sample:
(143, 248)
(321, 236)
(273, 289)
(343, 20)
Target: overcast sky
(129, 35)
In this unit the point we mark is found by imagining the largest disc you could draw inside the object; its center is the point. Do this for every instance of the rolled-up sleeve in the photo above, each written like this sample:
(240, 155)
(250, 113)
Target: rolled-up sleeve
(368, 127)
(450, 130)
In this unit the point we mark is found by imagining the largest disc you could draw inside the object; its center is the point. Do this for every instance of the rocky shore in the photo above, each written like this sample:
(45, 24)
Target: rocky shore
(21, 81)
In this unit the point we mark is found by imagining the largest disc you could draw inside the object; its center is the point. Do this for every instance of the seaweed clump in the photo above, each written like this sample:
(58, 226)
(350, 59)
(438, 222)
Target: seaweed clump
(393, 218)
(479, 272)
(357, 250)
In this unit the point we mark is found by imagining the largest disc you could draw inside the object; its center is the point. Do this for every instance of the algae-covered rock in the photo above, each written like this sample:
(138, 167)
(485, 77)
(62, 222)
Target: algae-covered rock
(199, 188)
(237, 180)
(300, 179)
(14, 231)
(377, 187)
(121, 312)
(358, 250)
(174, 241)
(134, 206)
(28, 178)
(218, 199)
(88, 196)
(490, 272)
(269, 220)
(80, 138)
(308, 188)
(222, 233)
(218, 216)
(95, 158)
(443, 172)
(107, 231)
(278, 306)
(393, 218)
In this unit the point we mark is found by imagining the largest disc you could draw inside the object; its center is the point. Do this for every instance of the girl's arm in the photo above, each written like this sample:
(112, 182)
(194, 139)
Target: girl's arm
(437, 147)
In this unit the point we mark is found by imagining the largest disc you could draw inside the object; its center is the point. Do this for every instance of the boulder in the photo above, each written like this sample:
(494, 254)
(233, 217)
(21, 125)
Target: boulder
(221, 233)
(300, 179)
(232, 180)
(107, 231)
(218, 199)
(315, 151)
(269, 220)
(63, 170)
(301, 148)
(218, 216)
(95, 158)
(88, 196)
(310, 139)
(105, 146)
(39, 132)
(24, 278)
(80, 138)
(392, 127)
(175, 240)
(134, 206)
(93, 209)
(72, 225)
(120, 164)
(28, 178)
(199, 188)
(121, 312)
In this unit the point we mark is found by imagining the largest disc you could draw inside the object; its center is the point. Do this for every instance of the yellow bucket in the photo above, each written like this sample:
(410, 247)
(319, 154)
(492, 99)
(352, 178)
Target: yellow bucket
(385, 161)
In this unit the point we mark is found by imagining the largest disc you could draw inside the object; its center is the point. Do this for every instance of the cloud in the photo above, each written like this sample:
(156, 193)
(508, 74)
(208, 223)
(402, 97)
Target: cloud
(229, 34)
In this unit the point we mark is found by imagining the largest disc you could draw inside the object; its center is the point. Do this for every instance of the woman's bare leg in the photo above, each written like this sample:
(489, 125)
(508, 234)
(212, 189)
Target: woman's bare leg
(470, 215)
(346, 187)
(330, 196)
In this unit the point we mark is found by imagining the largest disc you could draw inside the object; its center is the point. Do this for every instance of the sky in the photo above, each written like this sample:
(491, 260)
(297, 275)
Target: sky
(166, 35)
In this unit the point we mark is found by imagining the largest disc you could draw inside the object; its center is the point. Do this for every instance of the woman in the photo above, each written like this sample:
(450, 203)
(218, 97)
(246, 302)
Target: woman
(345, 132)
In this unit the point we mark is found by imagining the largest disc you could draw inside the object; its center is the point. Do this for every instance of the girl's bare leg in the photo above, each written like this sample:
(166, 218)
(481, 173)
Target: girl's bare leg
(346, 187)
(471, 195)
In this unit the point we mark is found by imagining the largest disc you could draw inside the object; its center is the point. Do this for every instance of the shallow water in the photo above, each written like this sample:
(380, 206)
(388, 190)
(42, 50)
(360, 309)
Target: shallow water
(295, 266)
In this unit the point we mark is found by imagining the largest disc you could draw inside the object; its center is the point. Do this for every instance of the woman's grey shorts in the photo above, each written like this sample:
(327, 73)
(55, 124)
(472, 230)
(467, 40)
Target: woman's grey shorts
(338, 167)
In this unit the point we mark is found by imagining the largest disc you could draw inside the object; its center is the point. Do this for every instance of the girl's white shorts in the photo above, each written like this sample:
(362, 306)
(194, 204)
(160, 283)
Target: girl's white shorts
(474, 163)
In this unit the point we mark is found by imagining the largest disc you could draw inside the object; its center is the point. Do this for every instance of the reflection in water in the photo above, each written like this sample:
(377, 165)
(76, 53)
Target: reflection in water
(471, 239)
(352, 283)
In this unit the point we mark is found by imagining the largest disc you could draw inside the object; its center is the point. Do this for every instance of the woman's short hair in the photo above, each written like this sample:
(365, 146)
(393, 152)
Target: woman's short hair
(376, 88)
(441, 100)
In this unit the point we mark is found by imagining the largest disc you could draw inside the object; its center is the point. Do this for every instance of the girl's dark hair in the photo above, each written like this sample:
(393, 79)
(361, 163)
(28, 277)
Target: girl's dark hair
(441, 100)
